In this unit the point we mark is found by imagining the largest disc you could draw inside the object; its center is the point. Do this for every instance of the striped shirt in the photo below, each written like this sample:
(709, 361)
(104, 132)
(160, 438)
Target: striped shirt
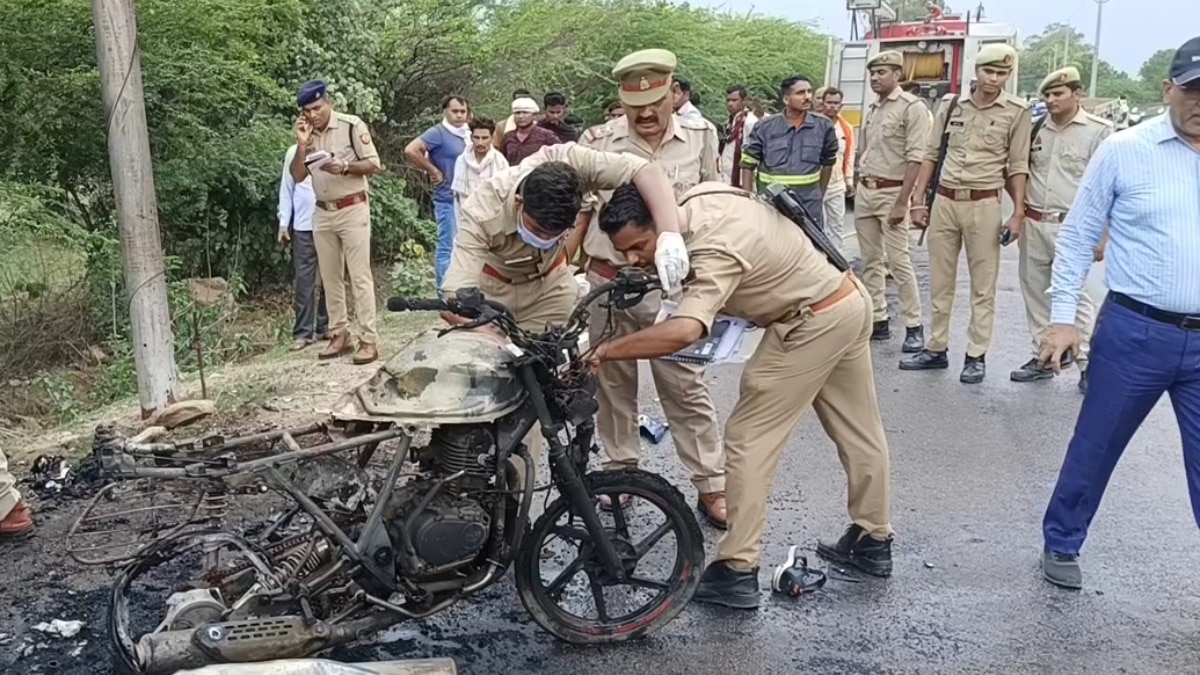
(1145, 184)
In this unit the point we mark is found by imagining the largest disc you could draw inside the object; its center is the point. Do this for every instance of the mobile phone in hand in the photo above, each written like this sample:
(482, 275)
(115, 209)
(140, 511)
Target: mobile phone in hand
(1067, 358)
(1006, 237)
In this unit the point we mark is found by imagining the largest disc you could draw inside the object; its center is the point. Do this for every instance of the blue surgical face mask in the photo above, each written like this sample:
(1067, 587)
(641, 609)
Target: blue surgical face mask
(535, 241)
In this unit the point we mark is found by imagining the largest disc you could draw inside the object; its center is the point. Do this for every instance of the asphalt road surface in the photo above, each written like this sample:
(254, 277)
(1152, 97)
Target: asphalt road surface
(972, 469)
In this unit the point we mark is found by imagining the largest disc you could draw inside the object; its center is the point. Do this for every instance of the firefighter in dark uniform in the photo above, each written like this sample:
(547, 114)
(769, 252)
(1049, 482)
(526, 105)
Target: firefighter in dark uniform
(796, 148)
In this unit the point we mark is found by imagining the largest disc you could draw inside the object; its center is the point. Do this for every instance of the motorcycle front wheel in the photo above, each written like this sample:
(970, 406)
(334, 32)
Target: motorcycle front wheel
(572, 595)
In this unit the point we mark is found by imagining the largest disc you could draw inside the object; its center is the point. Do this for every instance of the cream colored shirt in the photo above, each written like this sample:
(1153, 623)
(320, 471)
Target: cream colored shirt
(487, 232)
(748, 260)
(347, 138)
(1058, 158)
(895, 132)
(986, 144)
(688, 155)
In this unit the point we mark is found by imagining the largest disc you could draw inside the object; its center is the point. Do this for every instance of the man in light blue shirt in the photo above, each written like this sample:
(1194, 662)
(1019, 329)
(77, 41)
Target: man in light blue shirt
(296, 204)
(1145, 184)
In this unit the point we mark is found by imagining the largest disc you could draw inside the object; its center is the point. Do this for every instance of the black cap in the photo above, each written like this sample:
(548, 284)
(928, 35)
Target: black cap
(1185, 66)
(310, 92)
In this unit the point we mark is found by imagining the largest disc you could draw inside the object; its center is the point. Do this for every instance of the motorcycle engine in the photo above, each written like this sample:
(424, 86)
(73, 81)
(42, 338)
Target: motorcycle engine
(451, 529)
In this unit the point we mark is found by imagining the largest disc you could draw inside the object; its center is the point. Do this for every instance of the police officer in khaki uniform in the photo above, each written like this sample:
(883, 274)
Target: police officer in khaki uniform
(988, 149)
(511, 240)
(342, 222)
(749, 261)
(1066, 139)
(686, 149)
(894, 135)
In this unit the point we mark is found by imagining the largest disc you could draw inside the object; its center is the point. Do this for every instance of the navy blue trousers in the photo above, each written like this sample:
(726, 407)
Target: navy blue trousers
(1134, 360)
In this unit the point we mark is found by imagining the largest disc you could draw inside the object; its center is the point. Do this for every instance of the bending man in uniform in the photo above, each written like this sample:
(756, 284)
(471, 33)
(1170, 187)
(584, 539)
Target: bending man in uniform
(686, 149)
(750, 262)
(511, 242)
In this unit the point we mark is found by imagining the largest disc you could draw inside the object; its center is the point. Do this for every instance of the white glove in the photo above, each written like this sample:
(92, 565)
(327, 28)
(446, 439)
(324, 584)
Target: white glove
(671, 259)
(583, 286)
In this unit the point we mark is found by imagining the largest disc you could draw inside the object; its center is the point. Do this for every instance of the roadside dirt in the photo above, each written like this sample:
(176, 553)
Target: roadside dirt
(38, 580)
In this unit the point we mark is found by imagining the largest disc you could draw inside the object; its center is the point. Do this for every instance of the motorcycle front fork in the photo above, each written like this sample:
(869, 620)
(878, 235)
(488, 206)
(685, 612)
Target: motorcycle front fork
(569, 477)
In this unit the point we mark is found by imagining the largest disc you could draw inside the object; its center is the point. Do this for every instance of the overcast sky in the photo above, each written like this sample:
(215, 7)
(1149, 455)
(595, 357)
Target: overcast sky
(1132, 31)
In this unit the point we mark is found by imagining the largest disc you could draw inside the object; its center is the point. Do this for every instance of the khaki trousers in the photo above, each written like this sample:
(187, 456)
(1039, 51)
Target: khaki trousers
(953, 226)
(835, 214)
(343, 240)
(821, 360)
(885, 247)
(681, 388)
(1037, 243)
(9, 497)
(535, 304)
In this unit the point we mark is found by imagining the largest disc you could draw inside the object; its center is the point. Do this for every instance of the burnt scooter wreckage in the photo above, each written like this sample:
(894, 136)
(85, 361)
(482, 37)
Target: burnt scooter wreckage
(344, 559)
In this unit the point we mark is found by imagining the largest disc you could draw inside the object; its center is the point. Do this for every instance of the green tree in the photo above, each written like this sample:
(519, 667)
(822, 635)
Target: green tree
(1060, 45)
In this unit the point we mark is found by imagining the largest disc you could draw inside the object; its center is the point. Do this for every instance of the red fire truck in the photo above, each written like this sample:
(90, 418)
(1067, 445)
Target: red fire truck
(939, 52)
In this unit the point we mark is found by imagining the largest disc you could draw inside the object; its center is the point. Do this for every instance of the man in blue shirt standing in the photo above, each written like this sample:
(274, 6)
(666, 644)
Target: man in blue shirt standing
(435, 153)
(1145, 184)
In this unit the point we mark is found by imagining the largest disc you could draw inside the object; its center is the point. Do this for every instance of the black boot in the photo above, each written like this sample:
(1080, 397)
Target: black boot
(722, 585)
(861, 551)
(925, 360)
(973, 370)
(881, 331)
(914, 340)
(1030, 372)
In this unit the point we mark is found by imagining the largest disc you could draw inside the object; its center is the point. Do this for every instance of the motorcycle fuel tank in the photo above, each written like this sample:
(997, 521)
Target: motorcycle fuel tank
(459, 378)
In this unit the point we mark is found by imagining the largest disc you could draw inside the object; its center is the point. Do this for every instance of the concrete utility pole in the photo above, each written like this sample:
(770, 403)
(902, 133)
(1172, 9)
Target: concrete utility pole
(1096, 49)
(137, 208)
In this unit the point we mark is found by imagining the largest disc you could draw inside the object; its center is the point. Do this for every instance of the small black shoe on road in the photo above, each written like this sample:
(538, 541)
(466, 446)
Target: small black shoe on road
(914, 340)
(973, 370)
(1083, 385)
(1062, 570)
(881, 331)
(1030, 372)
(925, 360)
(722, 585)
(861, 551)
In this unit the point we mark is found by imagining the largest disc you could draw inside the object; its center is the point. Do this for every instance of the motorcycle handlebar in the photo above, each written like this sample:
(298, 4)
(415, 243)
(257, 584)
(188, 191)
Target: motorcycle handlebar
(417, 305)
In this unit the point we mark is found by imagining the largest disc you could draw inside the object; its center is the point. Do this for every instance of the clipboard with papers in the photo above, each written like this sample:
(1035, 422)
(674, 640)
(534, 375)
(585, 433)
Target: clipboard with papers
(723, 344)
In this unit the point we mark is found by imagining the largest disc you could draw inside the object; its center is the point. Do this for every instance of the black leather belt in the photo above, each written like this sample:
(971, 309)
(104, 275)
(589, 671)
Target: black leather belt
(1184, 321)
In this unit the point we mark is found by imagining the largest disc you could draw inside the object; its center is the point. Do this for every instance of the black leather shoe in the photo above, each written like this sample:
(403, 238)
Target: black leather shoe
(881, 331)
(914, 340)
(722, 585)
(1030, 372)
(973, 370)
(861, 551)
(1083, 382)
(925, 360)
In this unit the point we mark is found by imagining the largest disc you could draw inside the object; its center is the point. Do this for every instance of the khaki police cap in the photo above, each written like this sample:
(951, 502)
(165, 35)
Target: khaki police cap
(1061, 78)
(644, 77)
(888, 58)
(996, 56)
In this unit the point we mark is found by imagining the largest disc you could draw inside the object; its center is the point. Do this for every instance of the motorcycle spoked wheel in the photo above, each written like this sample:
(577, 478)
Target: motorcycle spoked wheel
(645, 490)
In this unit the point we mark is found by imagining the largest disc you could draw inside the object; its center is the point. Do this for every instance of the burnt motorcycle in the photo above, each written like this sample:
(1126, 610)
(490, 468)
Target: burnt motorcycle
(348, 556)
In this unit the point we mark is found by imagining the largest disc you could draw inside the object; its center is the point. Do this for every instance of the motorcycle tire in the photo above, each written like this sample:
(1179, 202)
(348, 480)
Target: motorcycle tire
(663, 608)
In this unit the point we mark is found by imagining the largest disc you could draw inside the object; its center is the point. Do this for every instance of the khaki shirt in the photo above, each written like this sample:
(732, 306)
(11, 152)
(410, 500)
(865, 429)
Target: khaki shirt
(986, 144)
(688, 155)
(748, 260)
(1058, 159)
(894, 133)
(347, 138)
(487, 232)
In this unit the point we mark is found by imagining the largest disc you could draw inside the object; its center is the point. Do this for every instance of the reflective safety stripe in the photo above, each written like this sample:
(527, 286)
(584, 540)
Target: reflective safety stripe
(748, 160)
(789, 181)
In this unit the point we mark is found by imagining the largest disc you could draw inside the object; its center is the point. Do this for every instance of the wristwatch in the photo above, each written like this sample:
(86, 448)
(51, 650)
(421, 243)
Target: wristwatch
(345, 168)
